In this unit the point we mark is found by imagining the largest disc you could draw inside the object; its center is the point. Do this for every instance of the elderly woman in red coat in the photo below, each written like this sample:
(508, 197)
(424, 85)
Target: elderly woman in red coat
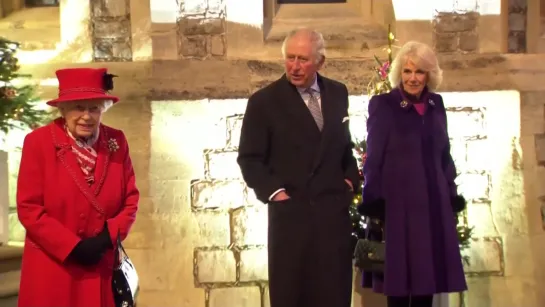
(76, 192)
(410, 184)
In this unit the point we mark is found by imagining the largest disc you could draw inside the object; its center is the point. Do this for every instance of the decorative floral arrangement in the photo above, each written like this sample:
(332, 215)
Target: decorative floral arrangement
(380, 83)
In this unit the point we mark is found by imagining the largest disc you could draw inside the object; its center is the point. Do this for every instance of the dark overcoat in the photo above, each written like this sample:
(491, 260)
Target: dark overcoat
(409, 165)
(309, 238)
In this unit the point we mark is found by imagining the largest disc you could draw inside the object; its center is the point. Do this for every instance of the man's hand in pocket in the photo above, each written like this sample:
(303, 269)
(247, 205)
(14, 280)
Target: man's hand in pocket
(280, 196)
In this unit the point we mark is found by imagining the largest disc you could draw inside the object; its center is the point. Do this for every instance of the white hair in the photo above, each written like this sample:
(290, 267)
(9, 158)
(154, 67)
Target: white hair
(106, 104)
(317, 39)
(422, 57)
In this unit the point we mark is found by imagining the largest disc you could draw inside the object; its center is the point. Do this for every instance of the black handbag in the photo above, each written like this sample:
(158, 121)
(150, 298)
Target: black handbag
(125, 279)
(369, 254)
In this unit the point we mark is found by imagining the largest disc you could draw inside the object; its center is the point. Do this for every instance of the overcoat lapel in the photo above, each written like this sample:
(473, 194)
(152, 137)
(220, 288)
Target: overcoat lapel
(297, 110)
(103, 160)
(69, 162)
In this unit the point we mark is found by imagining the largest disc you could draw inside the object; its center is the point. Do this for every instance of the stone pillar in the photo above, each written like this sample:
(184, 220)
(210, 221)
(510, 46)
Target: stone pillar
(517, 21)
(111, 30)
(4, 199)
(201, 29)
(456, 32)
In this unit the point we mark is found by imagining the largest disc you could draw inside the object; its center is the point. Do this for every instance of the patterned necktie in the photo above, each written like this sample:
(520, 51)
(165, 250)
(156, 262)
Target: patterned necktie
(315, 110)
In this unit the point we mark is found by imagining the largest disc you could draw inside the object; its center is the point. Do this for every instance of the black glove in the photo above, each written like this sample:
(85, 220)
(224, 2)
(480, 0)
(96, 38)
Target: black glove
(458, 203)
(89, 251)
(375, 209)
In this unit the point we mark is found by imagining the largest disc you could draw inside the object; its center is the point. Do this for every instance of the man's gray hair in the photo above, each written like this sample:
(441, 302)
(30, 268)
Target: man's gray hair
(316, 38)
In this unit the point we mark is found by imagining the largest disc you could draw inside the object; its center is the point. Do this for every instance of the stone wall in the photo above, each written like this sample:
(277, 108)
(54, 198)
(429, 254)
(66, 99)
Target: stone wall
(111, 30)
(456, 32)
(201, 29)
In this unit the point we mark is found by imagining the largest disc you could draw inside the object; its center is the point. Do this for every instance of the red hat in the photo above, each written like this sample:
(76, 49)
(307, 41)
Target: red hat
(82, 84)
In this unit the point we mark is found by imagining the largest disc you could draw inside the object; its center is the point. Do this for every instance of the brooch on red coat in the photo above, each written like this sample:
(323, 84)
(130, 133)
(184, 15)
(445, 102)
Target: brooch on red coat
(112, 145)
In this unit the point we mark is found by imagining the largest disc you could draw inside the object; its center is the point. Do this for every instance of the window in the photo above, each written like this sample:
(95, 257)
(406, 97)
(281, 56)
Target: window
(35, 3)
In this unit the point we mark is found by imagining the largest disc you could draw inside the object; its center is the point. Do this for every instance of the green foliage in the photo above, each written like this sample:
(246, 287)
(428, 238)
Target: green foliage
(17, 99)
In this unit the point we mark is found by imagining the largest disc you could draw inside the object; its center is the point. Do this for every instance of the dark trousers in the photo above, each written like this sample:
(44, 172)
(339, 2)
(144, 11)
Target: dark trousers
(407, 301)
(310, 259)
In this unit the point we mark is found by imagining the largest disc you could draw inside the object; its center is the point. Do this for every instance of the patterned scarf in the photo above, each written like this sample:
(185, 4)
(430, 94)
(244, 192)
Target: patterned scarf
(86, 155)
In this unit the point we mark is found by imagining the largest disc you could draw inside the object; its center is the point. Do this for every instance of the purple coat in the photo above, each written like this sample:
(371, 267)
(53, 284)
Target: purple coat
(409, 166)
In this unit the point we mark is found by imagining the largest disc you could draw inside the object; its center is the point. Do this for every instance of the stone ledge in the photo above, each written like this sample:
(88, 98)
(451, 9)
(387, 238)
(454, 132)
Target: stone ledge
(193, 79)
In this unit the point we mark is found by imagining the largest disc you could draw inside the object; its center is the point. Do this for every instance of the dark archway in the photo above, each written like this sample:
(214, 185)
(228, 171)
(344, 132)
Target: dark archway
(309, 1)
(38, 3)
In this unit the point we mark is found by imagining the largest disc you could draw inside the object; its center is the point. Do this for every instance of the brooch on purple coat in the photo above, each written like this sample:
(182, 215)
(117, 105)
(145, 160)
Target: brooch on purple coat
(404, 104)
(431, 103)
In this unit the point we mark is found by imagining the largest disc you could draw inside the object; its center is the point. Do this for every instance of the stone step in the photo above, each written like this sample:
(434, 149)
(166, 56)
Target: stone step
(10, 259)
(9, 288)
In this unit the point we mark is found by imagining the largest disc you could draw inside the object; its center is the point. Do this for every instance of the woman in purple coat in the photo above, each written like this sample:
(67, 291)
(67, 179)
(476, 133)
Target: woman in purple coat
(409, 184)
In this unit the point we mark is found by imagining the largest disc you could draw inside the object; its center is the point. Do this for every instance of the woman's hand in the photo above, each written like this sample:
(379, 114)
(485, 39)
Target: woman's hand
(89, 251)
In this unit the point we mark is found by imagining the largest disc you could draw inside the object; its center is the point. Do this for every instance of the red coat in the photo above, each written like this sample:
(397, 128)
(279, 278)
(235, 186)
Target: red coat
(57, 209)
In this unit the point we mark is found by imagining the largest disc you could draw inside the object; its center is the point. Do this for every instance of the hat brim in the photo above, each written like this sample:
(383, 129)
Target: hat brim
(81, 96)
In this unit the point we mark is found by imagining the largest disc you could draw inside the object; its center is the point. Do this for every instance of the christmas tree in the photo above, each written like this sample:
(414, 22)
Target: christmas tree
(380, 84)
(17, 100)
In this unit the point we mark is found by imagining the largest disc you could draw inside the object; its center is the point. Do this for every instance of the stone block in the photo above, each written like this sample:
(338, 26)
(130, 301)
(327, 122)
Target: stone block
(474, 186)
(110, 8)
(253, 265)
(217, 46)
(458, 151)
(517, 21)
(266, 298)
(358, 127)
(192, 46)
(215, 266)
(192, 7)
(249, 226)
(516, 42)
(214, 229)
(451, 22)
(217, 194)
(164, 46)
(479, 215)
(466, 123)
(469, 41)
(445, 42)
(251, 198)
(16, 230)
(539, 143)
(112, 28)
(122, 50)
(222, 165)
(477, 155)
(201, 26)
(485, 257)
(216, 8)
(239, 297)
(112, 50)
(234, 126)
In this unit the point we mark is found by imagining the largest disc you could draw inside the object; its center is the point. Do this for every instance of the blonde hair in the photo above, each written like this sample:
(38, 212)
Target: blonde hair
(422, 57)
(315, 37)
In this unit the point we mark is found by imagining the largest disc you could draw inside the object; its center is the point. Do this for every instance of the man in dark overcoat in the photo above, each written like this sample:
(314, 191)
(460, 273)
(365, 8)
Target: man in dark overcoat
(295, 152)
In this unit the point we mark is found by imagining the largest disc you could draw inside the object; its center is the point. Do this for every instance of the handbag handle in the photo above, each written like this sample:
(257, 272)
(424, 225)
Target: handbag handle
(117, 248)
